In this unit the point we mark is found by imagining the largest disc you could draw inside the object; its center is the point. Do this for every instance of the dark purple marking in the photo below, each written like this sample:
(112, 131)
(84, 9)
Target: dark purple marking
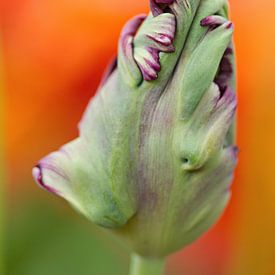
(229, 25)
(228, 51)
(225, 71)
(154, 53)
(214, 22)
(207, 21)
(38, 176)
(154, 65)
(158, 6)
(147, 74)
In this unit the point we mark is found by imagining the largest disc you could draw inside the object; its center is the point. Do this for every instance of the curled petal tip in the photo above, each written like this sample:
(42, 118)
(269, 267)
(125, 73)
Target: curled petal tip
(229, 25)
(126, 61)
(38, 177)
(156, 35)
(132, 26)
(215, 21)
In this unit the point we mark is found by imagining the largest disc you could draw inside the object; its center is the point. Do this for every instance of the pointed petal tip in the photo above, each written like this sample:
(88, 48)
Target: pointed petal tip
(37, 174)
(214, 21)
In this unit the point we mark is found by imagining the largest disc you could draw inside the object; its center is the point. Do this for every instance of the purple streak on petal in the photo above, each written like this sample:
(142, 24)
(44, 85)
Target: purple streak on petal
(229, 25)
(148, 74)
(154, 65)
(210, 21)
(154, 53)
(163, 39)
(213, 20)
(38, 176)
(162, 42)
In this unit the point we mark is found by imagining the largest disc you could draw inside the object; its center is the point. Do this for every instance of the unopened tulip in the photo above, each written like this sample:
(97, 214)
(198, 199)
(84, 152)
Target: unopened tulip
(155, 155)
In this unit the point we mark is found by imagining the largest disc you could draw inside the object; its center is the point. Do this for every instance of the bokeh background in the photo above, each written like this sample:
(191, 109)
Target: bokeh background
(54, 52)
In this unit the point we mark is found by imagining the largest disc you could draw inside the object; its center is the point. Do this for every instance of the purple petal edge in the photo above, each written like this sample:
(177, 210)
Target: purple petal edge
(38, 176)
(126, 41)
(130, 30)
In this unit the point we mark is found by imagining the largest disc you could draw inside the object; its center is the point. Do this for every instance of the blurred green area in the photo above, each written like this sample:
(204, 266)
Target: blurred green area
(45, 237)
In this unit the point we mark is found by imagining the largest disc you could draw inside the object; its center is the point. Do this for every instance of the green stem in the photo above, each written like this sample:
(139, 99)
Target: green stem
(146, 266)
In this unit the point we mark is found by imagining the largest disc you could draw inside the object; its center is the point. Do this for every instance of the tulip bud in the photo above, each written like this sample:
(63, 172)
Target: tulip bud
(155, 154)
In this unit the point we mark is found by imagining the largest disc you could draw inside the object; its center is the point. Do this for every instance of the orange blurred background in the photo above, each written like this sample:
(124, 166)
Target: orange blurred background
(54, 54)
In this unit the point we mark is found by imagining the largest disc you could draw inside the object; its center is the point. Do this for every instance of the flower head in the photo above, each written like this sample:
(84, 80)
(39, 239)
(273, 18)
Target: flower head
(155, 155)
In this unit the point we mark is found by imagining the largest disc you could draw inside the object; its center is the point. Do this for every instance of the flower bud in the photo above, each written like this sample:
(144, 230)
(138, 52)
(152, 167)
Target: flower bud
(155, 154)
